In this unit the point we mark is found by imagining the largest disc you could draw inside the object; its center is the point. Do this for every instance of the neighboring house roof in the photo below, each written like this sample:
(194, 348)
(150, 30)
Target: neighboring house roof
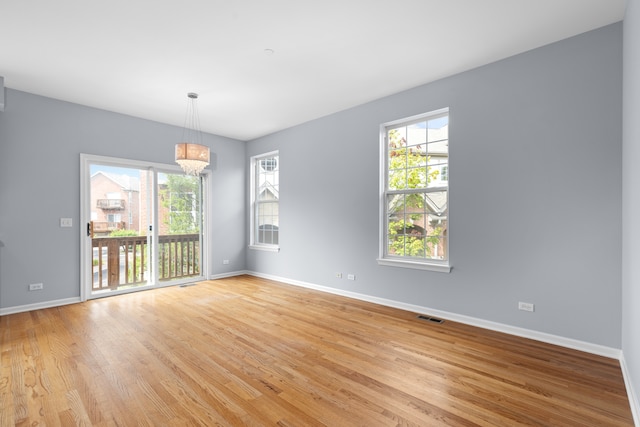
(268, 187)
(126, 182)
(437, 202)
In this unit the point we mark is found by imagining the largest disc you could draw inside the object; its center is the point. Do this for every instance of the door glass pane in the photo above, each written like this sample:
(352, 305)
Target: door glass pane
(118, 229)
(179, 226)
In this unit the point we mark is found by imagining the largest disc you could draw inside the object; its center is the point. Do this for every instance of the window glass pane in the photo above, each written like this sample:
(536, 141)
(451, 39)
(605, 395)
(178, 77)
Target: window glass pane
(436, 232)
(267, 209)
(395, 205)
(438, 129)
(398, 179)
(437, 172)
(397, 138)
(438, 148)
(269, 164)
(436, 225)
(418, 154)
(395, 244)
(398, 158)
(436, 202)
(417, 220)
(414, 202)
(417, 177)
(417, 133)
(268, 234)
(435, 248)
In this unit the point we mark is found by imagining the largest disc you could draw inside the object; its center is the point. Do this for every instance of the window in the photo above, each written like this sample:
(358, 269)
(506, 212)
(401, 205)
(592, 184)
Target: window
(444, 170)
(114, 217)
(415, 192)
(265, 196)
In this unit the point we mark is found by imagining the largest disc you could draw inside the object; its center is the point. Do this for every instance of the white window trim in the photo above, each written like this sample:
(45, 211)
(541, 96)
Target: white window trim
(430, 265)
(252, 198)
(264, 247)
(405, 262)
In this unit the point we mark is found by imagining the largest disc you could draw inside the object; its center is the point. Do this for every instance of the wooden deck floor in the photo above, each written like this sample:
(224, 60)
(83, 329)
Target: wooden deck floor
(248, 351)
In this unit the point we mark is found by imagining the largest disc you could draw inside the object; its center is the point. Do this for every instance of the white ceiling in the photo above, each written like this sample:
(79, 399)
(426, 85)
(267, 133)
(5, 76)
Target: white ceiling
(141, 57)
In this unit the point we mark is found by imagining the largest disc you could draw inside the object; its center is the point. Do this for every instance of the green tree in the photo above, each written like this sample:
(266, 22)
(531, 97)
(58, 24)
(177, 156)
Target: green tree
(408, 169)
(181, 199)
(123, 233)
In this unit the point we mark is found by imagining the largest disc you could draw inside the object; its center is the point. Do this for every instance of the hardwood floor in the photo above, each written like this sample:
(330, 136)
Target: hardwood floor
(248, 351)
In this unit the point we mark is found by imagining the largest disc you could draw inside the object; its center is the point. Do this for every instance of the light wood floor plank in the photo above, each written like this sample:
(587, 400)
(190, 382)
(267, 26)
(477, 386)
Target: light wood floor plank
(245, 351)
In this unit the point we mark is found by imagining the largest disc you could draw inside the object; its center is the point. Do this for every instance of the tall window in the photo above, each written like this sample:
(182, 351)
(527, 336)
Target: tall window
(415, 192)
(265, 196)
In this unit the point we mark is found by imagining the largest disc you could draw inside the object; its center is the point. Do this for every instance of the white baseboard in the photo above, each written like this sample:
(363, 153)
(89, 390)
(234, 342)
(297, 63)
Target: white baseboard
(633, 396)
(38, 306)
(230, 274)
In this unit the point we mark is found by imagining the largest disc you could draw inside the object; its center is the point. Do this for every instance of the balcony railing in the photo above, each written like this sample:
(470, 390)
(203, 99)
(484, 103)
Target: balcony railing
(116, 204)
(99, 227)
(121, 261)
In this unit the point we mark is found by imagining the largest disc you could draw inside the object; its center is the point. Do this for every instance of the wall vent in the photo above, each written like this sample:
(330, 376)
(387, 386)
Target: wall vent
(430, 319)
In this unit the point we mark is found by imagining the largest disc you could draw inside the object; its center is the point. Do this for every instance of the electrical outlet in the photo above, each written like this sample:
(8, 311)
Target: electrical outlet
(66, 222)
(36, 286)
(338, 275)
(225, 261)
(351, 276)
(526, 306)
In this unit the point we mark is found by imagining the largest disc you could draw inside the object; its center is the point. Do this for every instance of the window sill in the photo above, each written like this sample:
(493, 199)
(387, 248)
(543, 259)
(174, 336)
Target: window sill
(265, 248)
(442, 268)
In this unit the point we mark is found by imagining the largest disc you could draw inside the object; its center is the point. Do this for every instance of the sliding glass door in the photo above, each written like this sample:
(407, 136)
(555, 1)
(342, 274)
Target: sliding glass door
(179, 202)
(144, 226)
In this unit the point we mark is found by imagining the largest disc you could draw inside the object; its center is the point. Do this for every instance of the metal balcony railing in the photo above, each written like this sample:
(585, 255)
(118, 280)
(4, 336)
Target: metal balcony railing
(113, 204)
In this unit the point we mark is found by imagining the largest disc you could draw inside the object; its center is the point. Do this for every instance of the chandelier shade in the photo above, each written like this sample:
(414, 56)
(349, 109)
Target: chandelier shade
(191, 154)
(193, 158)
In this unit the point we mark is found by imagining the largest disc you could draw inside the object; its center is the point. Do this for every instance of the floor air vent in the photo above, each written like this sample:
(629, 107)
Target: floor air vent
(430, 319)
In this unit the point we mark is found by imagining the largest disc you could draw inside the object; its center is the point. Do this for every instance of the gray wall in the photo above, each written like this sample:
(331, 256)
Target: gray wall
(40, 144)
(631, 199)
(535, 145)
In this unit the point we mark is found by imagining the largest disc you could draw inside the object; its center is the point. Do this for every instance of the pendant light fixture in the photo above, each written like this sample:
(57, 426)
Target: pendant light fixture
(191, 155)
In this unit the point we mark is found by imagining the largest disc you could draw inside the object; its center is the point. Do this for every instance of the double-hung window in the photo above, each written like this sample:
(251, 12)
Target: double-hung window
(265, 198)
(414, 183)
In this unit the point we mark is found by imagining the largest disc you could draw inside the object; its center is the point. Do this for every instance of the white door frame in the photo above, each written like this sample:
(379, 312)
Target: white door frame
(86, 273)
